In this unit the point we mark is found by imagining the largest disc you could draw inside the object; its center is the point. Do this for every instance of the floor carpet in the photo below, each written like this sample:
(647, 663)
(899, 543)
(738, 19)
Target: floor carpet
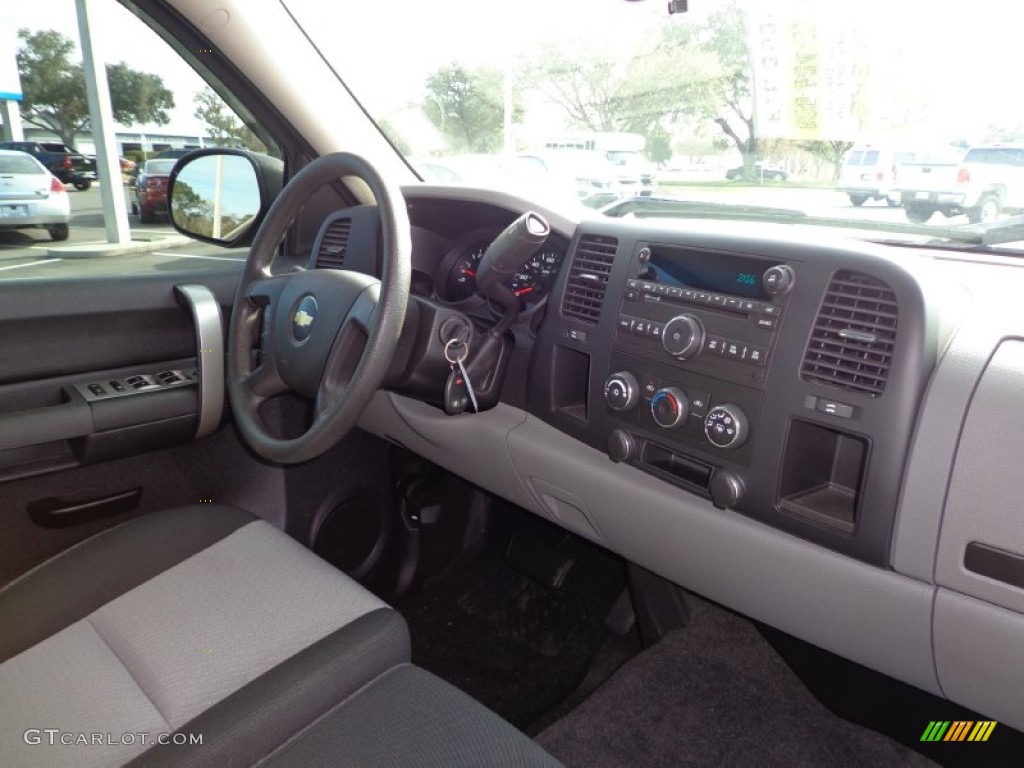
(713, 694)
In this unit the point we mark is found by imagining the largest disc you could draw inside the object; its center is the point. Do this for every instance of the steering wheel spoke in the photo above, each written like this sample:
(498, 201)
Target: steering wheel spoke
(266, 291)
(264, 382)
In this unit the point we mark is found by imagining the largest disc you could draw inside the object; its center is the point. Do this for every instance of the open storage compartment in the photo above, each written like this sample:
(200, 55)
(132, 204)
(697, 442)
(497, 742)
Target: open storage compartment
(822, 474)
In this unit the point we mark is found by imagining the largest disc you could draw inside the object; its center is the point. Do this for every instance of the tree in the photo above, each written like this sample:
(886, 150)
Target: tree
(598, 93)
(468, 107)
(659, 147)
(222, 124)
(728, 98)
(830, 152)
(54, 88)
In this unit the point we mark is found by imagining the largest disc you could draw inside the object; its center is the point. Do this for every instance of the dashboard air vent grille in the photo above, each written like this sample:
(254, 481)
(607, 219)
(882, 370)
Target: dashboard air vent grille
(331, 253)
(853, 337)
(588, 277)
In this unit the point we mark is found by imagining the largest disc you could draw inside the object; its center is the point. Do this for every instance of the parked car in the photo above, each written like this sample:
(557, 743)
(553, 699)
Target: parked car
(762, 172)
(165, 154)
(151, 190)
(66, 163)
(870, 170)
(31, 197)
(595, 180)
(986, 182)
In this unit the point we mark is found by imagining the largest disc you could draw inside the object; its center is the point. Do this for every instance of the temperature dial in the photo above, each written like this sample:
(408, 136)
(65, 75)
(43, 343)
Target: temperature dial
(726, 426)
(621, 391)
(669, 407)
(683, 336)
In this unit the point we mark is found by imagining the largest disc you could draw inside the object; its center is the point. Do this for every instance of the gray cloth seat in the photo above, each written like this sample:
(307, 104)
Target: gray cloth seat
(208, 622)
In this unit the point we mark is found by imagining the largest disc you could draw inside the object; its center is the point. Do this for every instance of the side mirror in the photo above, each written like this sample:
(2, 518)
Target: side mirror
(221, 195)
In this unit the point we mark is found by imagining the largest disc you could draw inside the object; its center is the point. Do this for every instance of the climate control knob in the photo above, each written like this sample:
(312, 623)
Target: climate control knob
(621, 391)
(683, 336)
(726, 426)
(669, 407)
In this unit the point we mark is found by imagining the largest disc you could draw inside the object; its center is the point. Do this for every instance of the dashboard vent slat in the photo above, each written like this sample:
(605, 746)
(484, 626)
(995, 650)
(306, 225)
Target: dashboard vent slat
(854, 335)
(331, 253)
(588, 278)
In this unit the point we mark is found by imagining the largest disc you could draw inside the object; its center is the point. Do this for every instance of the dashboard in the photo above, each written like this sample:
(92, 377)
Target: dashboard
(821, 433)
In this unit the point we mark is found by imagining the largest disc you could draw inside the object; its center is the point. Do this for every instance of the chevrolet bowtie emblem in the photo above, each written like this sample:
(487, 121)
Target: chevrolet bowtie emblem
(303, 319)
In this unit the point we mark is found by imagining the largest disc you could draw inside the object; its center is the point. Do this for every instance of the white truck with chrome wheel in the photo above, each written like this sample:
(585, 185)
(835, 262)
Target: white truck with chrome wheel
(988, 181)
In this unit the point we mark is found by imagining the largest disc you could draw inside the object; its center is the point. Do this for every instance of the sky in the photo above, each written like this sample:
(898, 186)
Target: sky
(956, 66)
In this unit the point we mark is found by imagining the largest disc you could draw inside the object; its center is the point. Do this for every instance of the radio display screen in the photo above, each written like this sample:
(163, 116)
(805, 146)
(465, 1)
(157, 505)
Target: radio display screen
(718, 272)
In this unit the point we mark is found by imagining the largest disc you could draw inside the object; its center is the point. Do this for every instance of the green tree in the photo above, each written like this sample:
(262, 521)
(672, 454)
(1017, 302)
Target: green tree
(659, 146)
(467, 107)
(54, 88)
(830, 152)
(222, 124)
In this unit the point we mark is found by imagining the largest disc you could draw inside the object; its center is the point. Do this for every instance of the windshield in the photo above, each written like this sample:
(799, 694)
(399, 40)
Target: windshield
(880, 114)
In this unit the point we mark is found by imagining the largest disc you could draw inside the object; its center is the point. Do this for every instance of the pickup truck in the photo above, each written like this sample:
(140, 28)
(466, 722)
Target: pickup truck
(66, 163)
(988, 181)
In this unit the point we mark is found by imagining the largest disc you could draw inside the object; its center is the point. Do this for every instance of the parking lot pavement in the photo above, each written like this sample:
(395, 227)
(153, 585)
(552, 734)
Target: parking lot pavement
(31, 253)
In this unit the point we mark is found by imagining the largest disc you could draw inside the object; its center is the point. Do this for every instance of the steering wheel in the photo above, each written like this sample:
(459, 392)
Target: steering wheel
(328, 335)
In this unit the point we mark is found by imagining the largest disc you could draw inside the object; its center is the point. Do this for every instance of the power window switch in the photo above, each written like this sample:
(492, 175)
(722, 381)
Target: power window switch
(116, 385)
(97, 389)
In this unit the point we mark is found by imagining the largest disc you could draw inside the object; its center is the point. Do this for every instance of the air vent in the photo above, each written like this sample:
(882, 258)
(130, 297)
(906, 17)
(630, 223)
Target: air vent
(331, 253)
(853, 337)
(588, 277)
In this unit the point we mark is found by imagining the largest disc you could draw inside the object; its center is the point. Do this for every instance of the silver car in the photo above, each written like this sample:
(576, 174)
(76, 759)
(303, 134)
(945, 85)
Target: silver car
(31, 197)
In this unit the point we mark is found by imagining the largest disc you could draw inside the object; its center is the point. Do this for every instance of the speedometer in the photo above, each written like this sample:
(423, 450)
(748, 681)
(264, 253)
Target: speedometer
(533, 281)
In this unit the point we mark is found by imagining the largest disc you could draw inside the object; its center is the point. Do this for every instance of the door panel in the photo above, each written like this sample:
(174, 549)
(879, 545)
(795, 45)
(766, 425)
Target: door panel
(60, 450)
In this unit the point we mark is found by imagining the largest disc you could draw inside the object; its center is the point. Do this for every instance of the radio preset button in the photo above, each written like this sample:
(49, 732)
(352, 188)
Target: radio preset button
(625, 323)
(647, 287)
(749, 306)
(640, 327)
(675, 292)
(689, 294)
(655, 330)
(632, 294)
(714, 345)
(756, 355)
(733, 349)
(731, 302)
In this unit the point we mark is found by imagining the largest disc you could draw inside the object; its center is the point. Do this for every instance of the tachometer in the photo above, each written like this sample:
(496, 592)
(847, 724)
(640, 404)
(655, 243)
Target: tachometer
(461, 281)
(534, 280)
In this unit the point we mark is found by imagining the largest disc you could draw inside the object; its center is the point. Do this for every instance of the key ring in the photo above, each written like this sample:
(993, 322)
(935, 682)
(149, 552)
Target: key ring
(451, 357)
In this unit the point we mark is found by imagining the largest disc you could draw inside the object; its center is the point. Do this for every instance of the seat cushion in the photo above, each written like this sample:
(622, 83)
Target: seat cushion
(143, 628)
(409, 718)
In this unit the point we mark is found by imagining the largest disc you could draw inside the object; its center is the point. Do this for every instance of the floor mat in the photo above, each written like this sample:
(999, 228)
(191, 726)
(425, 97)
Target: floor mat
(517, 646)
(713, 694)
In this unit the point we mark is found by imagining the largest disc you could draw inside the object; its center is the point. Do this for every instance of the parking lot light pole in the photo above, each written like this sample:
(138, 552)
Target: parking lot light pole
(101, 120)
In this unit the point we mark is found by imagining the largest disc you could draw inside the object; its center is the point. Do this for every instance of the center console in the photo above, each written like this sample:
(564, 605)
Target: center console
(760, 375)
(694, 335)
